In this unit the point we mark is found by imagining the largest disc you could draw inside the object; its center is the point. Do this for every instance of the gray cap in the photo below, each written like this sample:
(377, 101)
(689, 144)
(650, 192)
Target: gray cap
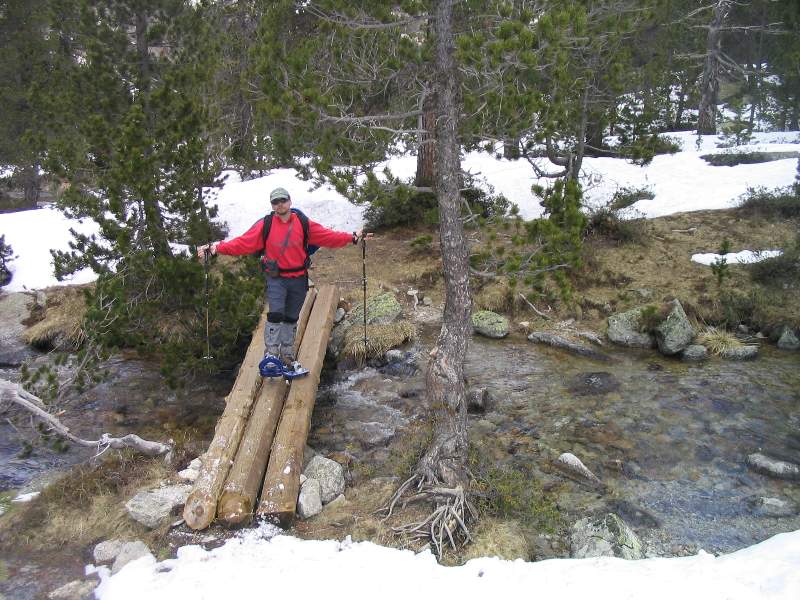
(278, 193)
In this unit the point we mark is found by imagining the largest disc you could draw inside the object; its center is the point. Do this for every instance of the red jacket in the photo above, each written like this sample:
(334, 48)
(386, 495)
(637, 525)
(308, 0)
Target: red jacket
(294, 254)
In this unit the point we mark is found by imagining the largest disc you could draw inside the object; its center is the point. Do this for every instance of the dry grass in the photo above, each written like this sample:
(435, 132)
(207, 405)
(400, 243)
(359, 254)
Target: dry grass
(61, 324)
(494, 537)
(84, 506)
(718, 340)
(380, 338)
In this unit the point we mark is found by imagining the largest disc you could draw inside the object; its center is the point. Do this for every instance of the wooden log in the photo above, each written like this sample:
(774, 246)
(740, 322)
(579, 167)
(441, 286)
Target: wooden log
(282, 481)
(201, 505)
(238, 500)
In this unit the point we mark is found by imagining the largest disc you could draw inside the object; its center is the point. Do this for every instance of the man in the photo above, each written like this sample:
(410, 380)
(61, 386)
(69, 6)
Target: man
(285, 261)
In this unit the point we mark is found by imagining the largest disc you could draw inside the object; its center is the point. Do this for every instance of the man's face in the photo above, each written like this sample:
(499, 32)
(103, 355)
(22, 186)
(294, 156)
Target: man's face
(283, 207)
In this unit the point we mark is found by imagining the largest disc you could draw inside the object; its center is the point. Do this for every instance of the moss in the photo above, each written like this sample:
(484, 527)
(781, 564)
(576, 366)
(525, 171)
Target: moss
(381, 309)
(490, 324)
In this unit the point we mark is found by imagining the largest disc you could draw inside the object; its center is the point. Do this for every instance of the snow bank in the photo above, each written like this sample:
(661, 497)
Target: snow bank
(258, 565)
(744, 257)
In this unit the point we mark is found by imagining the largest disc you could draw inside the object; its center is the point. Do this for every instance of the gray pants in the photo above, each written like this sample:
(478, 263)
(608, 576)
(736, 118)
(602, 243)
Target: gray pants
(285, 296)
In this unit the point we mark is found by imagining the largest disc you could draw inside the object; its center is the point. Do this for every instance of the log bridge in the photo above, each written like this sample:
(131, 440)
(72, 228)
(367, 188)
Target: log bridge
(259, 439)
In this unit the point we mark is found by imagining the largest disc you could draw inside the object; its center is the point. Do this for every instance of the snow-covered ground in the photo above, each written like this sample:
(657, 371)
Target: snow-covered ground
(681, 182)
(261, 564)
(258, 564)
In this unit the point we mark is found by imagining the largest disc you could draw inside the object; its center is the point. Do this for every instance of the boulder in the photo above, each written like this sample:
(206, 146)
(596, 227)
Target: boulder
(309, 501)
(675, 332)
(381, 309)
(773, 507)
(330, 475)
(695, 353)
(773, 467)
(604, 536)
(490, 324)
(623, 329)
(129, 552)
(740, 353)
(107, 551)
(788, 340)
(152, 507)
(79, 589)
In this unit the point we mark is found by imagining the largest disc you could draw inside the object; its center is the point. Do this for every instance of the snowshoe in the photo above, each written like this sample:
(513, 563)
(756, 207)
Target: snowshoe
(294, 371)
(271, 366)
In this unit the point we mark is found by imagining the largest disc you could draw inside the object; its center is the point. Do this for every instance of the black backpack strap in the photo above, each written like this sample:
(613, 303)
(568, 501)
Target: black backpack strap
(265, 231)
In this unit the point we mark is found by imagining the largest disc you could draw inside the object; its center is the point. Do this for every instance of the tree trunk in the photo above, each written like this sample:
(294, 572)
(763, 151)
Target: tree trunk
(445, 459)
(511, 149)
(30, 184)
(709, 84)
(426, 148)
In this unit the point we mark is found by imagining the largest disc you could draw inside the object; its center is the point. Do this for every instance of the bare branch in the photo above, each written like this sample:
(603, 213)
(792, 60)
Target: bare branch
(16, 394)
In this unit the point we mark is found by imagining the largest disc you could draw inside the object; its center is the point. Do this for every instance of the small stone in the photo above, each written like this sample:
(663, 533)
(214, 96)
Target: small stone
(394, 355)
(107, 551)
(309, 502)
(340, 313)
(191, 472)
(74, 590)
(337, 502)
(742, 328)
(479, 400)
(773, 467)
(330, 475)
(129, 552)
(426, 301)
(773, 507)
(695, 353)
(788, 340)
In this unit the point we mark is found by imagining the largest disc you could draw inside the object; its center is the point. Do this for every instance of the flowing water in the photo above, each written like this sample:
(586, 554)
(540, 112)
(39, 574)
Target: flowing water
(669, 439)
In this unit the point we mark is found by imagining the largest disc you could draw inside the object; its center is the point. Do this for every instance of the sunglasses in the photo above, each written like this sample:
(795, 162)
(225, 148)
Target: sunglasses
(278, 201)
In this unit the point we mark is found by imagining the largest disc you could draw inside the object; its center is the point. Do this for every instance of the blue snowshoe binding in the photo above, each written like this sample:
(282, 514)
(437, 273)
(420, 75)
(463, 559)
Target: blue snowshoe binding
(272, 366)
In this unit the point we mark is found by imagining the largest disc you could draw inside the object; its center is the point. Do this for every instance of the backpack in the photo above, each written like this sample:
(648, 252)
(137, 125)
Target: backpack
(308, 249)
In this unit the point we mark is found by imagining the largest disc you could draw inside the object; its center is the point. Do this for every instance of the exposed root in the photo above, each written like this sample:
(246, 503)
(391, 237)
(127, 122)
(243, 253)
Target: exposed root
(447, 523)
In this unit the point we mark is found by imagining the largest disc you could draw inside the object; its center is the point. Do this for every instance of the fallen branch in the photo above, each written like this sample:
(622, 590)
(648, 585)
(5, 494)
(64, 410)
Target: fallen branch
(533, 308)
(19, 396)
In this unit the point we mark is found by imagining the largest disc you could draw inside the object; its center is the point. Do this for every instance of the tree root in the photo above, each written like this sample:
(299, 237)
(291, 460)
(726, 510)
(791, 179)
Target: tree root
(446, 524)
(16, 394)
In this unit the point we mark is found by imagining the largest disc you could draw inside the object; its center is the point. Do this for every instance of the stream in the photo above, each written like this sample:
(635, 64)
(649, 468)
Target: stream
(669, 439)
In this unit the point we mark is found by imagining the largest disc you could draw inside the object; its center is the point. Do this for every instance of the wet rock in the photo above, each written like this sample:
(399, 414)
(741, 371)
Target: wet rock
(107, 551)
(330, 475)
(75, 590)
(740, 353)
(572, 466)
(773, 507)
(788, 340)
(604, 536)
(372, 434)
(675, 332)
(695, 353)
(309, 501)
(561, 342)
(479, 400)
(773, 467)
(398, 364)
(337, 318)
(14, 309)
(623, 329)
(152, 507)
(635, 515)
(489, 324)
(594, 384)
(129, 552)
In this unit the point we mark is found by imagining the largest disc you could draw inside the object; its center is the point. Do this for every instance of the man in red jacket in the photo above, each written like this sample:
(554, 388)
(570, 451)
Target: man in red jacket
(285, 261)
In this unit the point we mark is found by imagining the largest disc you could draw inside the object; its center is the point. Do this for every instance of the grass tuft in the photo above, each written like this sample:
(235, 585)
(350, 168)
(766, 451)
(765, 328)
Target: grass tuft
(61, 325)
(718, 340)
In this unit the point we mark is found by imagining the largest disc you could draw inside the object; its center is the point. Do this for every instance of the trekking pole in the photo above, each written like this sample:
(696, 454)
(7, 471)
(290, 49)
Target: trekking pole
(206, 255)
(364, 282)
